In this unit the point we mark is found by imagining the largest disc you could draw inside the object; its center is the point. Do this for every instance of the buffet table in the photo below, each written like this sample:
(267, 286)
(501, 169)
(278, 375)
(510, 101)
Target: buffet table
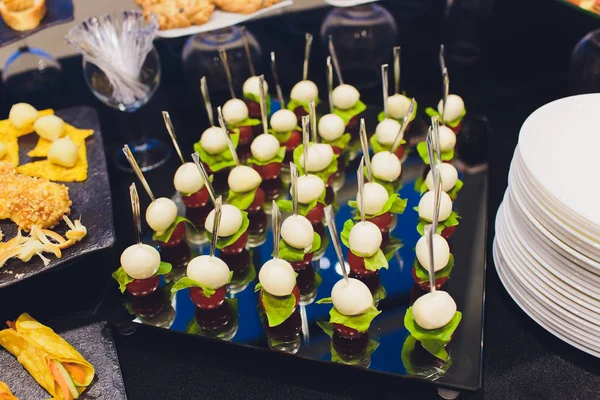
(520, 69)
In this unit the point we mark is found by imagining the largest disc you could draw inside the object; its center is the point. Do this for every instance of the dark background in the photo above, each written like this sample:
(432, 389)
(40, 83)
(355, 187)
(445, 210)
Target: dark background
(524, 63)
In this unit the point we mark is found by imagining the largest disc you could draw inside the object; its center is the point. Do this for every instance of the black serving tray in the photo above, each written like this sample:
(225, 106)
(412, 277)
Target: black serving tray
(466, 286)
(91, 201)
(94, 340)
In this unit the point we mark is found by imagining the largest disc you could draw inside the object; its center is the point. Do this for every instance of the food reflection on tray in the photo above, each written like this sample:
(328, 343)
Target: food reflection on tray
(207, 262)
(30, 197)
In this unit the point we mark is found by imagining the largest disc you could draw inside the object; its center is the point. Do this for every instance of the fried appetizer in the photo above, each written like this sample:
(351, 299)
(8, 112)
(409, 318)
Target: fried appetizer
(5, 393)
(178, 13)
(31, 201)
(244, 6)
(23, 15)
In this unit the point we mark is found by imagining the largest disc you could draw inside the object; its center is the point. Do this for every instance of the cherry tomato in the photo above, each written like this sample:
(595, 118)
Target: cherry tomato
(176, 237)
(294, 140)
(269, 171)
(196, 200)
(259, 200)
(425, 285)
(448, 232)
(382, 221)
(400, 152)
(237, 246)
(300, 112)
(207, 303)
(253, 109)
(246, 134)
(143, 287)
(316, 214)
(357, 265)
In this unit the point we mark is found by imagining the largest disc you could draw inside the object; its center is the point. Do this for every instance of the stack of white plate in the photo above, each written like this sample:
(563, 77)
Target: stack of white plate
(547, 244)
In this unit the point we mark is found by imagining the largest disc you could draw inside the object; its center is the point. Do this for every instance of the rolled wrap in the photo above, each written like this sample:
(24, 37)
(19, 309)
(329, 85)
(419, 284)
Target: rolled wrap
(35, 346)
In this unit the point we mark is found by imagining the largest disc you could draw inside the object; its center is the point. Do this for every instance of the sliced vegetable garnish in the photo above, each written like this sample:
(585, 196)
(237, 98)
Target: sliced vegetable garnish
(394, 205)
(229, 240)
(217, 162)
(279, 156)
(422, 150)
(324, 174)
(432, 340)
(347, 115)
(186, 282)
(277, 308)
(166, 236)
(360, 322)
(452, 220)
(123, 279)
(292, 254)
(453, 124)
(423, 275)
(241, 200)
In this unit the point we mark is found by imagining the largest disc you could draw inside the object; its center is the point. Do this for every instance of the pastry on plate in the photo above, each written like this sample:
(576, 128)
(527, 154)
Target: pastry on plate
(244, 6)
(178, 13)
(22, 15)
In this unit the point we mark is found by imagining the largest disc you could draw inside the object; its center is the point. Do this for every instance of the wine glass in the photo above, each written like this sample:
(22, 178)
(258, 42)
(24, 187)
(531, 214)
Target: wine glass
(584, 74)
(122, 69)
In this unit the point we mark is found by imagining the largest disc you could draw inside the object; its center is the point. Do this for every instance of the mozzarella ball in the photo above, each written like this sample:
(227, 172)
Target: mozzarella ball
(365, 239)
(441, 252)
(252, 86)
(297, 231)
(214, 140)
(277, 277)
(398, 105)
(447, 138)
(310, 188)
(434, 310)
(264, 147)
(454, 109)
(140, 261)
(22, 115)
(63, 152)
(320, 156)
(243, 179)
(188, 179)
(331, 127)
(426, 206)
(386, 166)
(2, 150)
(235, 111)
(449, 176)
(345, 97)
(231, 220)
(211, 272)
(304, 91)
(160, 214)
(375, 198)
(49, 127)
(351, 297)
(386, 131)
(284, 121)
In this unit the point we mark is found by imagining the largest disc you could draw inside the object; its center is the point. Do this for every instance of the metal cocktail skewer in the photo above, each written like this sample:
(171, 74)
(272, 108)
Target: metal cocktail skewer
(364, 142)
(307, 46)
(263, 103)
(305, 141)
(294, 179)
(216, 223)
(312, 113)
(138, 171)
(135, 209)
(223, 56)
(223, 125)
(202, 170)
(360, 176)
(330, 84)
(247, 50)
(276, 217)
(437, 182)
(385, 83)
(335, 239)
(405, 121)
(171, 130)
(207, 103)
(336, 64)
(396, 69)
(276, 79)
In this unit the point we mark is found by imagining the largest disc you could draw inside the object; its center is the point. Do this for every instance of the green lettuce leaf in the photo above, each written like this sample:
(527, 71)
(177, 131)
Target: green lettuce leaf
(423, 275)
(422, 150)
(359, 322)
(229, 240)
(340, 142)
(431, 112)
(345, 235)
(380, 294)
(325, 300)
(292, 254)
(376, 261)
(429, 371)
(279, 156)
(186, 282)
(347, 115)
(246, 122)
(452, 220)
(241, 200)
(419, 182)
(282, 137)
(317, 281)
(303, 209)
(432, 340)
(256, 99)
(278, 309)
(390, 187)
(381, 115)
(324, 174)
(219, 161)
(378, 147)
(394, 205)
(293, 104)
(169, 232)
(392, 247)
(123, 279)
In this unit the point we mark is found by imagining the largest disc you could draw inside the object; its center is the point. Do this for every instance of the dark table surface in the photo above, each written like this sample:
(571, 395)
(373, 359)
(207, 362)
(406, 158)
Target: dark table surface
(523, 64)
